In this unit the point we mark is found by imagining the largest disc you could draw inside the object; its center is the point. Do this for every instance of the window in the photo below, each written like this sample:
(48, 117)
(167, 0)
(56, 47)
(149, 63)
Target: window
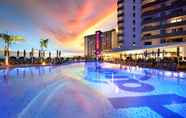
(134, 29)
(148, 18)
(134, 21)
(133, 43)
(162, 41)
(180, 29)
(173, 30)
(178, 40)
(134, 7)
(134, 14)
(148, 34)
(148, 43)
(134, 35)
(148, 1)
(176, 20)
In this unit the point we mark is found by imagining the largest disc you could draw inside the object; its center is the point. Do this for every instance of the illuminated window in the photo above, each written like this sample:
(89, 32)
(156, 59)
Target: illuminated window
(176, 20)
(133, 43)
(148, 1)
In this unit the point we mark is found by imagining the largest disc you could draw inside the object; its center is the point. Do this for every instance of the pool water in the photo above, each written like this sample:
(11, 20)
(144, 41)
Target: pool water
(132, 91)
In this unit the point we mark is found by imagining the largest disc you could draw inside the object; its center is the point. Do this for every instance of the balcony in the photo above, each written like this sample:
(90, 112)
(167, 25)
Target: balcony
(166, 35)
(120, 41)
(174, 5)
(120, 14)
(120, 8)
(164, 18)
(120, 21)
(152, 3)
(120, 29)
(150, 28)
(120, 1)
(120, 34)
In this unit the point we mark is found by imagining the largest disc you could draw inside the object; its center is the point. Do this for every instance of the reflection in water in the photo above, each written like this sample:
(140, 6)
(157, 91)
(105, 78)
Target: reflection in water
(152, 87)
(129, 89)
(17, 72)
(112, 74)
(97, 67)
(24, 73)
(5, 76)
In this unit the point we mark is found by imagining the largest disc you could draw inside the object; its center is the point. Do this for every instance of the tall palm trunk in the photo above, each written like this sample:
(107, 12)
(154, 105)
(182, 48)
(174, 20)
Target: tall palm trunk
(57, 54)
(60, 54)
(24, 54)
(32, 55)
(49, 54)
(42, 55)
(7, 52)
(18, 53)
(39, 53)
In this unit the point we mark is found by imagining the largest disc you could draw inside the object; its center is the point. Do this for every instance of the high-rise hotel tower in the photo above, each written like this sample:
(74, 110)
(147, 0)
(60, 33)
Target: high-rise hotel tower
(129, 24)
(151, 25)
(163, 22)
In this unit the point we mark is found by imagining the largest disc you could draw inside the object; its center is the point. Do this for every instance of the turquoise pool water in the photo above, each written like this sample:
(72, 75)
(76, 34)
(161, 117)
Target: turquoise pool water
(132, 91)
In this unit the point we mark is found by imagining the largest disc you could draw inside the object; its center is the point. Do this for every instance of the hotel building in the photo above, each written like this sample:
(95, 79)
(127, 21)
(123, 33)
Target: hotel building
(129, 24)
(164, 25)
(100, 42)
(151, 29)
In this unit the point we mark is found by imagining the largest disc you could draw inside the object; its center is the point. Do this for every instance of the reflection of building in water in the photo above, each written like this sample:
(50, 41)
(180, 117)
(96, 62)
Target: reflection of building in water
(92, 72)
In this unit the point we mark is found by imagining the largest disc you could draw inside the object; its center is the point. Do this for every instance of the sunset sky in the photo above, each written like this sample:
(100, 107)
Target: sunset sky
(64, 22)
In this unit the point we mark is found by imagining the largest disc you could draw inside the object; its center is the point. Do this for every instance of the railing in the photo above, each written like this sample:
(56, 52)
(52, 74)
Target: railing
(150, 28)
(164, 8)
(177, 33)
(158, 19)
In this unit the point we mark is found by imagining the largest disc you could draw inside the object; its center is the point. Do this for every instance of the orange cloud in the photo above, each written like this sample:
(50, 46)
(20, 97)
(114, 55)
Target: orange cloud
(66, 21)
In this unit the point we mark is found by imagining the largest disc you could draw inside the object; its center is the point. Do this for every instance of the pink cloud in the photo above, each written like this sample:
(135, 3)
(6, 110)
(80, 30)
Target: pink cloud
(65, 19)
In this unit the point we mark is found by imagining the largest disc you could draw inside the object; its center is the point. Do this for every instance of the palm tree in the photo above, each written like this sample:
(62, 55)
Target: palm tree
(43, 45)
(24, 54)
(18, 53)
(57, 53)
(60, 54)
(9, 40)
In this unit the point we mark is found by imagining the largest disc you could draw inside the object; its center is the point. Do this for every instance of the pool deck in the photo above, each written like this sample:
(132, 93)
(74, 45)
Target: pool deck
(40, 65)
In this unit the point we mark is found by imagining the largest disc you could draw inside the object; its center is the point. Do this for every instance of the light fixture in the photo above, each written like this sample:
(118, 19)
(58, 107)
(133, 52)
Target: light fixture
(43, 63)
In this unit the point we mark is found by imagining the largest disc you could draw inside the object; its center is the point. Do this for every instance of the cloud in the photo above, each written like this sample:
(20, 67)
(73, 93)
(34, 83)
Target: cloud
(62, 20)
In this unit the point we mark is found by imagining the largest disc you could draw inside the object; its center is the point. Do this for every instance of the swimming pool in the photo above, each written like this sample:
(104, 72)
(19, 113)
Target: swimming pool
(132, 91)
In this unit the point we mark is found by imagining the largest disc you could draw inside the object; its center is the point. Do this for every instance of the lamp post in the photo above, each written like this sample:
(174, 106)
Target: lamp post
(32, 55)
(178, 54)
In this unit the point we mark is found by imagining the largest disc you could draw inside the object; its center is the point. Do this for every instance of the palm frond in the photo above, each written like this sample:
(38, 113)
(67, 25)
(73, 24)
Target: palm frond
(44, 43)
